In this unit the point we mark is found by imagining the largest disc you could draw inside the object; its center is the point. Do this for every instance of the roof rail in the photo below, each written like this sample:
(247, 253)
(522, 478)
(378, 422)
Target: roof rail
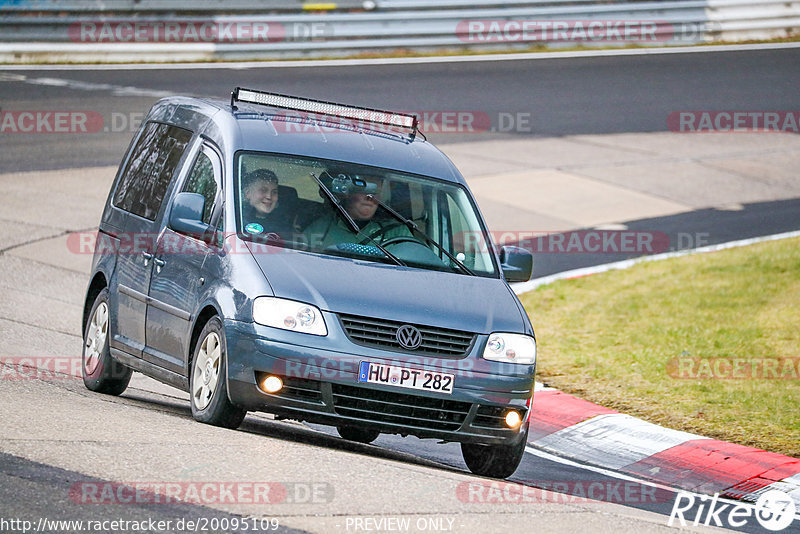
(297, 103)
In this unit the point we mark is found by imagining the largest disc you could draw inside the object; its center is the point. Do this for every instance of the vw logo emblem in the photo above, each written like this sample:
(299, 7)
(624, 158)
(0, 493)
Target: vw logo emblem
(409, 337)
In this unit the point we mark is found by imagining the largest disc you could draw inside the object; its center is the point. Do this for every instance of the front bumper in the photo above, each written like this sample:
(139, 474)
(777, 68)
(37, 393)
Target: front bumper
(320, 386)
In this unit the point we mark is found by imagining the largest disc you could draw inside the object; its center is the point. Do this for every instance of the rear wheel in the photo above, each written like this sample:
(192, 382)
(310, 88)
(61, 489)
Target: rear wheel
(361, 435)
(495, 461)
(208, 380)
(99, 370)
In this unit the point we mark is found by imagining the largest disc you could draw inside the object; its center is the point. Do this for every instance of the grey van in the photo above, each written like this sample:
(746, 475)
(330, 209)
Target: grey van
(318, 261)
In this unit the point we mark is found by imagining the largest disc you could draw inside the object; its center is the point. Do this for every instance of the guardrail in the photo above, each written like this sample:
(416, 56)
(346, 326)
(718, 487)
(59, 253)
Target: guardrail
(174, 6)
(174, 30)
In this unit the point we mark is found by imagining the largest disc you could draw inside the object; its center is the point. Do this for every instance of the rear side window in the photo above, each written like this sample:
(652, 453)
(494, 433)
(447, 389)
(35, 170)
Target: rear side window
(152, 164)
(204, 180)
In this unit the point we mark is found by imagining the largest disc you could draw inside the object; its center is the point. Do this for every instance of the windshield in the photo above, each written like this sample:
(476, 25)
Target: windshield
(343, 209)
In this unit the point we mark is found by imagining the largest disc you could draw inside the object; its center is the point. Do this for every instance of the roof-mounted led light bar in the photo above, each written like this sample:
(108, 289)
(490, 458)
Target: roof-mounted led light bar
(321, 107)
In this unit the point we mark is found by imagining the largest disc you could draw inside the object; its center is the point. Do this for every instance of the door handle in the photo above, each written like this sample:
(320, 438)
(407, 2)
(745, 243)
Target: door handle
(147, 257)
(159, 264)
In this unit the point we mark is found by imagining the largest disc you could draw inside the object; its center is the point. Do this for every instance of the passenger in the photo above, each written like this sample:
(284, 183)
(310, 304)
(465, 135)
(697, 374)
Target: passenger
(332, 228)
(263, 213)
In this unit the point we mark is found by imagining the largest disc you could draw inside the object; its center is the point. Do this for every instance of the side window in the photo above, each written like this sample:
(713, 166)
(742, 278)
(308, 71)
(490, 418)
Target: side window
(468, 243)
(204, 179)
(144, 183)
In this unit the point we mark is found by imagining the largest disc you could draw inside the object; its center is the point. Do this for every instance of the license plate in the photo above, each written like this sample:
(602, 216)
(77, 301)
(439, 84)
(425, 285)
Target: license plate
(404, 377)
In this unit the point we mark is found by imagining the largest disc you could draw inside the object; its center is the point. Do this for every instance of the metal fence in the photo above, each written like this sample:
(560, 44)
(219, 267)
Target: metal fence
(261, 6)
(129, 30)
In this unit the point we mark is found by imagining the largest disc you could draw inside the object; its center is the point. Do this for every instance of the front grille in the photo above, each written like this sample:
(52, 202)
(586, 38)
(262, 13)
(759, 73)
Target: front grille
(381, 333)
(301, 389)
(399, 408)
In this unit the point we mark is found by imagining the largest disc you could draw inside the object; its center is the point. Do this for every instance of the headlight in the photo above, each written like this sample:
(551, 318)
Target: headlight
(289, 315)
(510, 348)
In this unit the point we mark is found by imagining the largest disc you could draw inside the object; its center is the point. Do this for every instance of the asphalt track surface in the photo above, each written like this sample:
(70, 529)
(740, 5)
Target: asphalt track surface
(574, 96)
(564, 97)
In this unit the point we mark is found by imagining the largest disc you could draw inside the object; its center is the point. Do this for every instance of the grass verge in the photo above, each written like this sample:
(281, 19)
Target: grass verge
(707, 343)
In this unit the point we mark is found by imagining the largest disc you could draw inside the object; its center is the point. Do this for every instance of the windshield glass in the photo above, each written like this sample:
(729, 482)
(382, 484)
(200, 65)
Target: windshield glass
(282, 200)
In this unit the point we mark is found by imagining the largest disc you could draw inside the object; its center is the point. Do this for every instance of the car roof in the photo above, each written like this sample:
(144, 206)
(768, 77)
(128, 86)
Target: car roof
(264, 129)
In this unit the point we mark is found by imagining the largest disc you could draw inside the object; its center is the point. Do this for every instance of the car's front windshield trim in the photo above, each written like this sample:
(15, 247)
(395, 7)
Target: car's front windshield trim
(435, 198)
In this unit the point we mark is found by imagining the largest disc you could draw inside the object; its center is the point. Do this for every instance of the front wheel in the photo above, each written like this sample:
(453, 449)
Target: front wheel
(100, 372)
(495, 461)
(208, 380)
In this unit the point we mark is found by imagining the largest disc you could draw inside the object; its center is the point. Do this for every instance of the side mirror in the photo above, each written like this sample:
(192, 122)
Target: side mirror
(186, 216)
(517, 264)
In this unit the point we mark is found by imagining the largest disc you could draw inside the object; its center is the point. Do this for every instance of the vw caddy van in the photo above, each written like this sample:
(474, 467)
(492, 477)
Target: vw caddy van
(317, 261)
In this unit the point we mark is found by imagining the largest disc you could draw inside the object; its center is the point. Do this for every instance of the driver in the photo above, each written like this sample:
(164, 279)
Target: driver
(332, 229)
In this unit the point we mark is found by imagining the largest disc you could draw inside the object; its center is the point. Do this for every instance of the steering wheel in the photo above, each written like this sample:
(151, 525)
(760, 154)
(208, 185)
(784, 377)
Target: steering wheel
(419, 254)
(402, 239)
(379, 232)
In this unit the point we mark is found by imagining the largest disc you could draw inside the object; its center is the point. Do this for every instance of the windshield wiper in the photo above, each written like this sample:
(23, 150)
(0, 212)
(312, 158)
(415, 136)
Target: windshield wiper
(413, 227)
(353, 224)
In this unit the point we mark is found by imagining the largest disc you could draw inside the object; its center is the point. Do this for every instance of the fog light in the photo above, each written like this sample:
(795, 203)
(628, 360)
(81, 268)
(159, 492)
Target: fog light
(273, 384)
(513, 419)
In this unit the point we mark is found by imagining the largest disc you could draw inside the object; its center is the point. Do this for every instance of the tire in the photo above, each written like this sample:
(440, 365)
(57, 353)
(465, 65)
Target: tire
(361, 435)
(208, 380)
(100, 372)
(495, 461)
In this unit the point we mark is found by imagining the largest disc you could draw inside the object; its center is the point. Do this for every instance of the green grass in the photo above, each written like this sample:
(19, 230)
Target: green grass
(609, 338)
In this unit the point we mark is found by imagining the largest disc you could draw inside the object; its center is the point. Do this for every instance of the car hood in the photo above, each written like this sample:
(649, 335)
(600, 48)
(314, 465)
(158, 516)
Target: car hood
(343, 285)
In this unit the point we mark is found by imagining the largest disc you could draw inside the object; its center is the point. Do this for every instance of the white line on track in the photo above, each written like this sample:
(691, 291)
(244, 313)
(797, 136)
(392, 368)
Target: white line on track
(625, 264)
(600, 470)
(617, 475)
(414, 60)
(117, 90)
